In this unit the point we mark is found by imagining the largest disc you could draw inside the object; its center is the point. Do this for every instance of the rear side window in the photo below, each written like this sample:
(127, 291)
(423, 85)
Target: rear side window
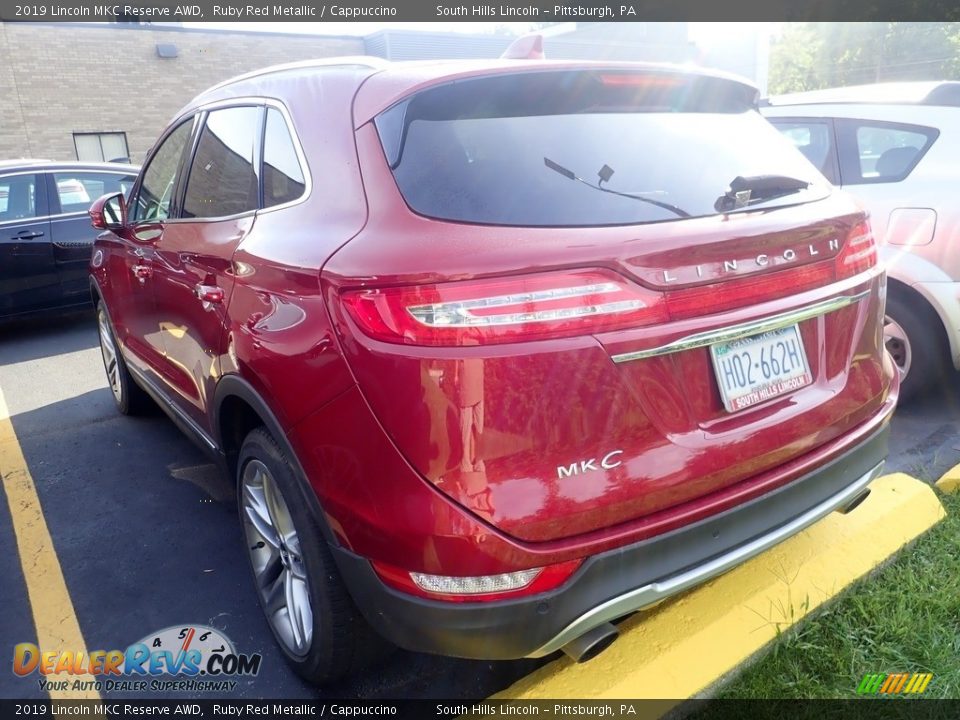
(76, 190)
(881, 152)
(814, 140)
(585, 149)
(283, 179)
(222, 180)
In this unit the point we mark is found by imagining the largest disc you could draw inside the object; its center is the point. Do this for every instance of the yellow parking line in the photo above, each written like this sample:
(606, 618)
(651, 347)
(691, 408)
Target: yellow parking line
(689, 645)
(53, 613)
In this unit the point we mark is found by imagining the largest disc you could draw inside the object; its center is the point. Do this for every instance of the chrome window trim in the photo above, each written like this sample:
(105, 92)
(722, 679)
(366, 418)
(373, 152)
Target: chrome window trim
(654, 592)
(737, 332)
(27, 221)
(297, 146)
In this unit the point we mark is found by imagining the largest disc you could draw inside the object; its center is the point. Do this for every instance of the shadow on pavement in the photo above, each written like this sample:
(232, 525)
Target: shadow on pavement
(24, 340)
(147, 536)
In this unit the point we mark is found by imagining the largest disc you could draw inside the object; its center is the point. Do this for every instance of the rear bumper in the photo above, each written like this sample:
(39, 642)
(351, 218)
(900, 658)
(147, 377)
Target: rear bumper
(617, 582)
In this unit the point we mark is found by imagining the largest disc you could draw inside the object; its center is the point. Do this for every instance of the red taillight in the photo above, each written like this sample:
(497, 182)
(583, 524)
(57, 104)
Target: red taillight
(582, 302)
(513, 309)
(718, 297)
(471, 588)
(859, 253)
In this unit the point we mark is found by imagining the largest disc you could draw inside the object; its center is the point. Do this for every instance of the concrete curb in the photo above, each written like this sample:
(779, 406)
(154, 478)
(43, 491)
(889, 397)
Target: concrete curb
(949, 483)
(680, 648)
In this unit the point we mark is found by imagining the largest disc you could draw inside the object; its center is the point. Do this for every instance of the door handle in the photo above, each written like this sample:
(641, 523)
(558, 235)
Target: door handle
(141, 272)
(27, 235)
(209, 293)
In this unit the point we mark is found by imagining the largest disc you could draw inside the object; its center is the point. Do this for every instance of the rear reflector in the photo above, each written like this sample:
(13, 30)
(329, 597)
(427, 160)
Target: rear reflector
(513, 309)
(478, 588)
(474, 585)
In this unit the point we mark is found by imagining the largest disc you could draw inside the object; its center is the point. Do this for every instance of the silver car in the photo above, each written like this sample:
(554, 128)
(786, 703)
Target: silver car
(895, 147)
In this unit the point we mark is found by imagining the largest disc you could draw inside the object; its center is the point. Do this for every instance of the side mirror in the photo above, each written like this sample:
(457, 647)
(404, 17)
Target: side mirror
(109, 212)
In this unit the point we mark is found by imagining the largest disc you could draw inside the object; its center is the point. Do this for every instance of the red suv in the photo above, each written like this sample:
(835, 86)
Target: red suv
(496, 352)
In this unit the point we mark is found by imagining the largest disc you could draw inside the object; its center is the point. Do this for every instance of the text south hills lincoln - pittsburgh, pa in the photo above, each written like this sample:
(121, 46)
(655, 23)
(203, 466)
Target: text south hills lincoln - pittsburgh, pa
(596, 12)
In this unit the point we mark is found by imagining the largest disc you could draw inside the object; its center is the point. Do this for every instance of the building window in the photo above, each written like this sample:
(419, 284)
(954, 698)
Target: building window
(101, 147)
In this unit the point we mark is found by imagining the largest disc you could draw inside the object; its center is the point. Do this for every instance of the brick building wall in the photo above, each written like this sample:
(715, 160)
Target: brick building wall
(60, 79)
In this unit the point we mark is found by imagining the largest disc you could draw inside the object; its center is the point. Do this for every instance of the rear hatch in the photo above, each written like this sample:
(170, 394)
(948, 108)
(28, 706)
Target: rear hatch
(590, 297)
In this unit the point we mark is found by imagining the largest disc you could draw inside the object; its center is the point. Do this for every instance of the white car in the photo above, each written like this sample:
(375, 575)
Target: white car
(896, 146)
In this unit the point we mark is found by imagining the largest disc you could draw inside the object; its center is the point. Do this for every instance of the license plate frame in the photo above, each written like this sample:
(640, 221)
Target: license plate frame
(760, 385)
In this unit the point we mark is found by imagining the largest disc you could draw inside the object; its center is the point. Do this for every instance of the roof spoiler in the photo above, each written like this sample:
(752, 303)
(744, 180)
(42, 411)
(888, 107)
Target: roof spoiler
(528, 47)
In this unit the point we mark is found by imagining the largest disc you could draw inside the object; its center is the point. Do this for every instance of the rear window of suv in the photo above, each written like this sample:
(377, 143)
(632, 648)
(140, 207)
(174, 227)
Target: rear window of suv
(586, 148)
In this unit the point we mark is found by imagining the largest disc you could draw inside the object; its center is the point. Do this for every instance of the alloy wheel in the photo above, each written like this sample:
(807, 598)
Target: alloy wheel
(110, 358)
(898, 345)
(278, 564)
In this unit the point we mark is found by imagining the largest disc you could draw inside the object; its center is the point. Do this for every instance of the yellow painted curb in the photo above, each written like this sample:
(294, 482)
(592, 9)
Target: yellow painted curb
(686, 645)
(950, 482)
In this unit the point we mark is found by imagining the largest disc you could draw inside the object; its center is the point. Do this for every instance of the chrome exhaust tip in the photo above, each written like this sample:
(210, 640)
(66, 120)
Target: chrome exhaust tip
(854, 502)
(591, 643)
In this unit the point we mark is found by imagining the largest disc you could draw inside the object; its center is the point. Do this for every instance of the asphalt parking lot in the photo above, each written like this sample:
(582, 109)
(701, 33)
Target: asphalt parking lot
(147, 536)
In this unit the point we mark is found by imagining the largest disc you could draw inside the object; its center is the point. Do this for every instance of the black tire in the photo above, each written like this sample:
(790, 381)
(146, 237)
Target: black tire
(129, 397)
(914, 337)
(341, 642)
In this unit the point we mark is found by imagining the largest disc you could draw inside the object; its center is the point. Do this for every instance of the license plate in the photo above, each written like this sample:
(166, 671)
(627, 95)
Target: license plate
(754, 369)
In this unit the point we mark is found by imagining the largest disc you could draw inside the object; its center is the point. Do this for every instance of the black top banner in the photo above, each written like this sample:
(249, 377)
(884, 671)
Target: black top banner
(536, 11)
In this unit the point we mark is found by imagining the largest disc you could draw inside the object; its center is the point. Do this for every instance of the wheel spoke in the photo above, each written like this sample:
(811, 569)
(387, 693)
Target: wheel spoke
(298, 610)
(275, 596)
(279, 513)
(258, 515)
(271, 572)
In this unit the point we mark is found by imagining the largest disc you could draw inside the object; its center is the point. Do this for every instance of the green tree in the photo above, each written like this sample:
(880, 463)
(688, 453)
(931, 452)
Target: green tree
(810, 56)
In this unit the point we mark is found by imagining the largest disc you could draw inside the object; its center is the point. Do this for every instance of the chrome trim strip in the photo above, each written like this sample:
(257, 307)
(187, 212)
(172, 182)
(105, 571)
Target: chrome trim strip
(655, 592)
(201, 433)
(754, 327)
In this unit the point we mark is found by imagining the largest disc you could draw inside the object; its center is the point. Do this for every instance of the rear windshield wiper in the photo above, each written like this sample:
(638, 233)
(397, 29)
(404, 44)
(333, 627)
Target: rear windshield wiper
(605, 173)
(746, 191)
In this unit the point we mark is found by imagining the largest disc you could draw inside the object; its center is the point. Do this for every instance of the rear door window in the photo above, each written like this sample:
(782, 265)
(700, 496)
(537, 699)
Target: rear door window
(814, 140)
(585, 149)
(881, 152)
(223, 180)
